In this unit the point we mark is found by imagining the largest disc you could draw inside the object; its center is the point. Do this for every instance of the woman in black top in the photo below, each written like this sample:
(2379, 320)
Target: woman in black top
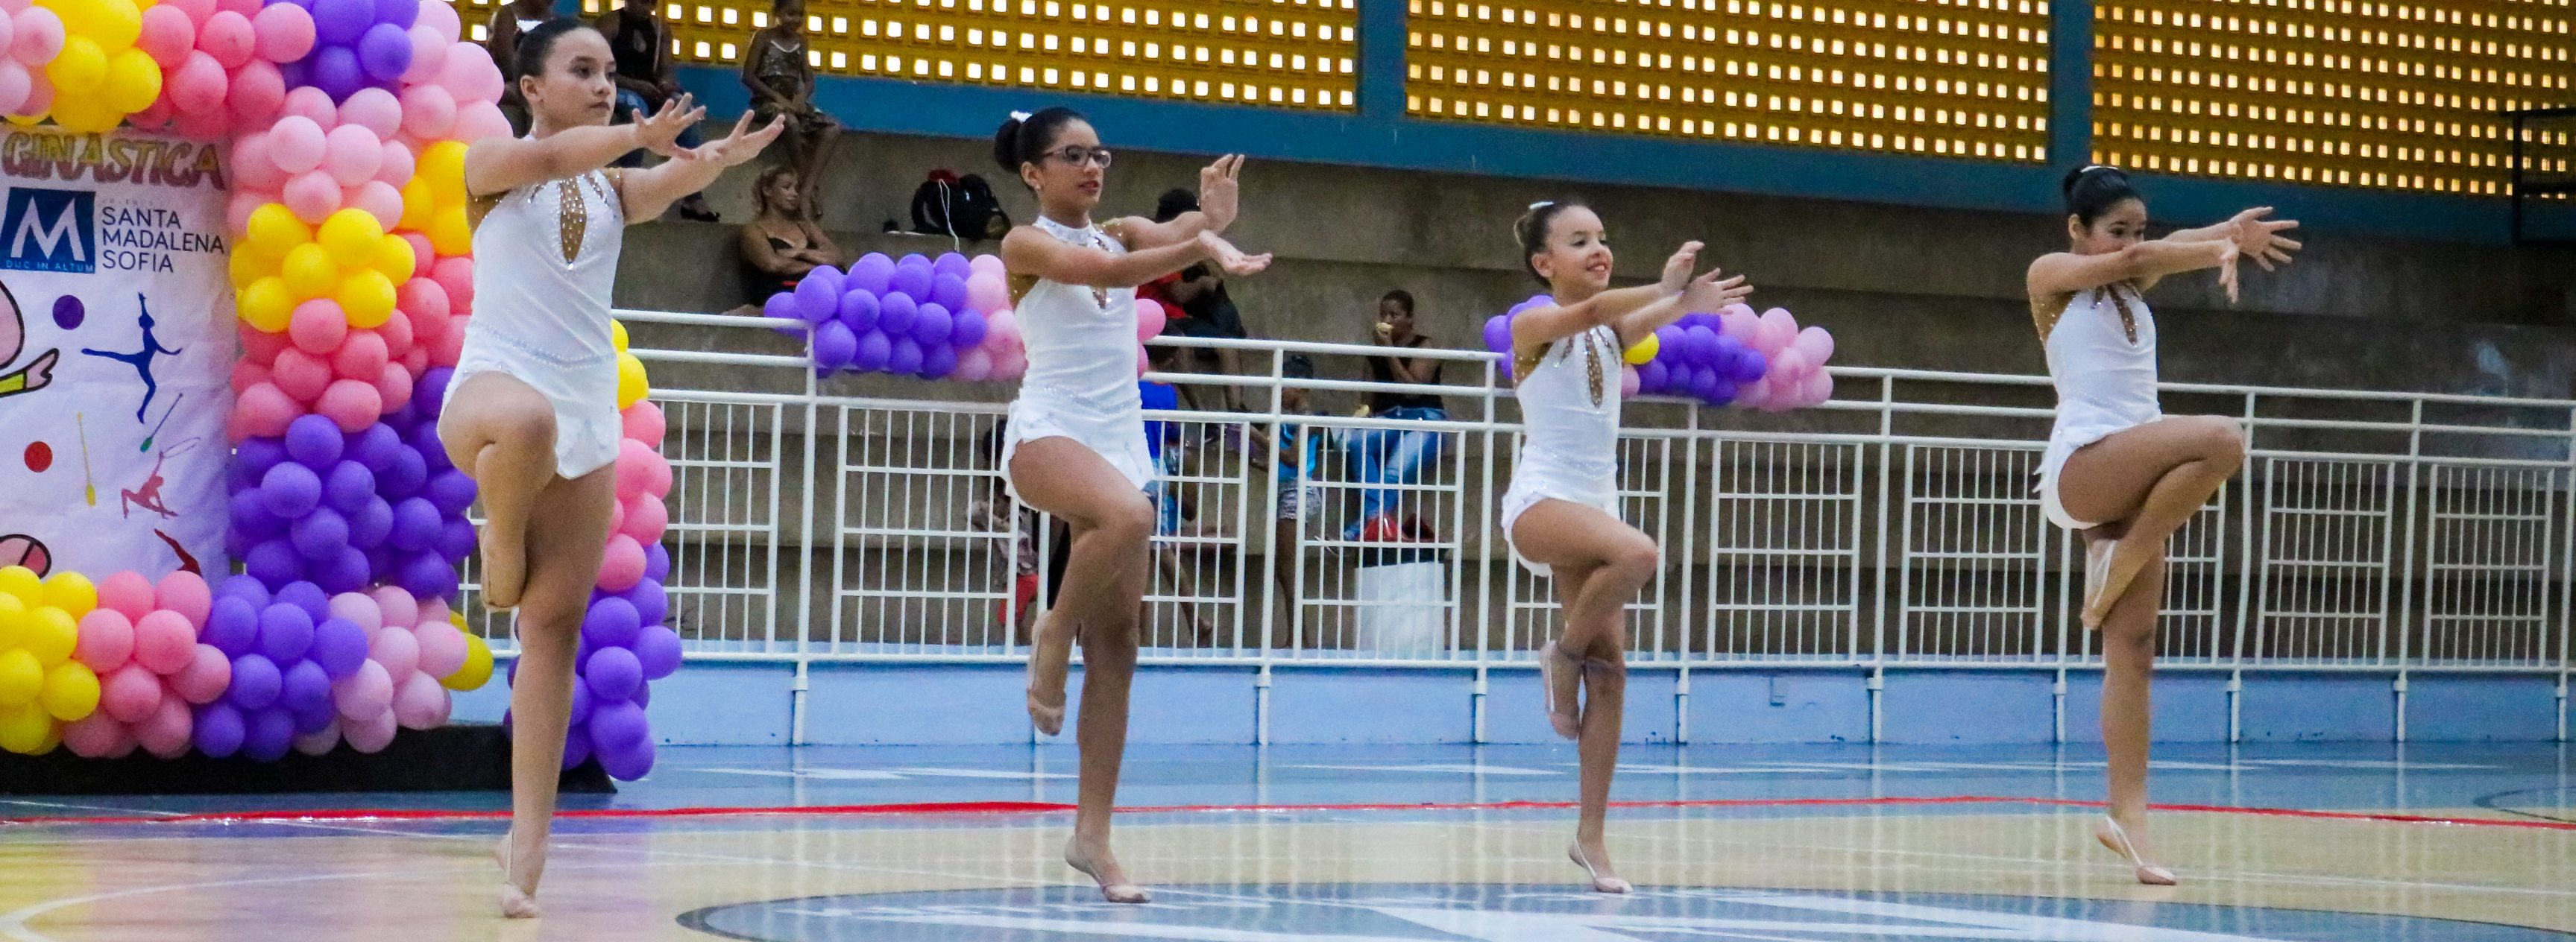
(781, 243)
(1393, 456)
(645, 79)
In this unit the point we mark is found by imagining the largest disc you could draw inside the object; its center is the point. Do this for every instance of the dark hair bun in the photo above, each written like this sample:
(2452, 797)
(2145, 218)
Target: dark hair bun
(1024, 137)
(2091, 191)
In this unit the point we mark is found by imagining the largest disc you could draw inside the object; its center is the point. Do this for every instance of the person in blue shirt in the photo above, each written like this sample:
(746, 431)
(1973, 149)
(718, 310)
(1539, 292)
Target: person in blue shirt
(1295, 456)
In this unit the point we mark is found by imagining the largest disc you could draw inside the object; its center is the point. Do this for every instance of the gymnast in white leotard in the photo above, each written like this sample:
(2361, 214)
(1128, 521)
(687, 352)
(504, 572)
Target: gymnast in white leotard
(2117, 469)
(531, 414)
(1561, 513)
(1076, 444)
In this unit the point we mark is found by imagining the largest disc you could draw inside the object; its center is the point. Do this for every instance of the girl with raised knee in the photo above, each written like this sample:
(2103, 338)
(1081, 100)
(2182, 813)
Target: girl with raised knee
(532, 411)
(1561, 513)
(2117, 470)
(1076, 441)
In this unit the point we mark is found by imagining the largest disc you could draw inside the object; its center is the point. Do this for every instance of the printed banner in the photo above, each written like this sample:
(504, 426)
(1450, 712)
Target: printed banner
(116, 347)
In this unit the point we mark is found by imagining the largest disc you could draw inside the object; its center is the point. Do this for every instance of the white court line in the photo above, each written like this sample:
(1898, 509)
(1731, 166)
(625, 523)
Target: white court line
(81, 807)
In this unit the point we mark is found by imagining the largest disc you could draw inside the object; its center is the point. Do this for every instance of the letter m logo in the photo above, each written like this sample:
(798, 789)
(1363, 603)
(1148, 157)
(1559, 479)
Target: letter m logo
(50, 230)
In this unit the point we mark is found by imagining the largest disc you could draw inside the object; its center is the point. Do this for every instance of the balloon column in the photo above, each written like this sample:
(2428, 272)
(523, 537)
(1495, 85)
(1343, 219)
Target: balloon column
(948, 318)
(1734, 356)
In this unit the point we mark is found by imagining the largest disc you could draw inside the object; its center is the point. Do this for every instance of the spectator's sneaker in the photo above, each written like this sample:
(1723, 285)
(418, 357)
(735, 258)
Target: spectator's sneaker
(1382, 529)
(695, 209)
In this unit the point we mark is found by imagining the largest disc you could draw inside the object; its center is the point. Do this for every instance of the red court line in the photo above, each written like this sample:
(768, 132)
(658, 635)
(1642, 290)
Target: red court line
(1042, 808)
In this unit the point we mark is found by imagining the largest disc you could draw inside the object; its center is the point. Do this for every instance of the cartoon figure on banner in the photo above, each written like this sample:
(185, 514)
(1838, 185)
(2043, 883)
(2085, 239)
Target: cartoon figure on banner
(141, 359)
(148, 496)
(13, 338)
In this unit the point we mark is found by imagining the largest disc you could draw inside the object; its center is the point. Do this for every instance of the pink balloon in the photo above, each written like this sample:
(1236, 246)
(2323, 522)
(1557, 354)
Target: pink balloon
(393, 386)
(297, 143)
(364, 694)
(129, 693)
(318, 327)
(395, 167)
(1010, 366)
(98, 736)
(1629, 381)
(228, 37)
(423, 255)
(396, 605)
(428, 111)
(1789, 366)
(168, 36)
(617, 517)
(456, 274)
(207, 674)
(166, 732)
(1002, 331)
(441, 19)
(313, 195)
(247, 374)
(255, 170)
(377, 198)
(987, 292)
(634, 468)
(155, 116)
(987, 265)
(319, 742)
(622, 565)
(16, 83)
(238, 209)
(352, 405)
(375, 109)
(973, 366)
(1150, 319)
(128, 593)
(40, 35)
(1144, 364)
(398, 650)
(262, 411)
(258, 90)
(243, 7)
(1773, 332)
(646, 518)
(163, 643)
(420, 703)
(418, 360)
(373, 734)
(442, 648)
(425, 304)
(362, 357)
(9, 26)
(1816, 343)
(40, 93)
(448, 347)
(1738, 322)
(197, 10)
(212, 125)
(285, 32)
(480, 121)
(428, 52)
(186, 593)
(397, 333)
(301, 375)
(644, 423)
(357, 609)
(106, 639)
(1818, 387)
(351, 153)
(313, 104)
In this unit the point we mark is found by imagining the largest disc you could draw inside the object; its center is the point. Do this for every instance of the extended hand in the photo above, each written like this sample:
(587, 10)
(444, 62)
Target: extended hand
(2259, 238)
(657, 132)
(733, 149)
(1218, 191)
(2227, 270)
(1232, 259)
(1677, 269)
(1706, 294)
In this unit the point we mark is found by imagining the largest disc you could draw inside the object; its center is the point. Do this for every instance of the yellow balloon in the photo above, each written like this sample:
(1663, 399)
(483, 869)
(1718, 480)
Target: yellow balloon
(418, 205)
(22, 582)
(249, 264)
(632, 384)
(450, 233)
(617, 335)
(51, 636)
(442, 166)
(71, 592)
(77, 70)
(117, 23)
(351, 236)
(368, 298)
(394, 257)
(477, 669)
(27, 730)
(86, 115)
(1645, 350)
(133, 81)
(21, 678)
(13, 621)
(273, 227)
(267, 305)
(310, 272)
(71, 692)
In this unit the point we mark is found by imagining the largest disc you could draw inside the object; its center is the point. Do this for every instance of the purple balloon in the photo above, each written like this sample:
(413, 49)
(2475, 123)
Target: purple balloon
(644, 696)
(219, 730)
(290, 490)
(375, 447)
(616, 724)
(895, 314)
(612, 622)
(874, 351)
(952, 263)
(307, 596)
(320, 535)
(238, 544)
(285, 633)
(834, 347)
(450, 491)
(245, 588)
(938, 361)
(614, 674)
(781, 309)
(455, 540)
(252, 459)
(657, 562)
(652, 604)
(1498, 333)
(657, 648)
(432, 389)
(627, 765)
(1704, 382)
(307, 684)
(427, 576)
(340, 22)
(576, 746)
(382, 558)
(1669, 339)
(966, 330)
(296, 73)
(1699, 346)
(872, 273)
(912, 281)
(416, 523)
(818, 295)
(931, 325)
(402, 13)
(232, 626)
(316, 719)
(858, 311)
(271, 731)
(582, 702)
(1749, 365)
(252, 519)
(402, 418)
(314, 442)
(906, 357)
(273, 562)
(1652, 377)
(409, 472)
(350, 485)
(256, 682)
(426, 444)
(913, 260)
(335, 70)
(948, 291)
(384, 52)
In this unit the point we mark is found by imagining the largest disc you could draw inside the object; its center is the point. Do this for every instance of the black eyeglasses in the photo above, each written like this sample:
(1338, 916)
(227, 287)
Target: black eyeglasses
(1078, 155)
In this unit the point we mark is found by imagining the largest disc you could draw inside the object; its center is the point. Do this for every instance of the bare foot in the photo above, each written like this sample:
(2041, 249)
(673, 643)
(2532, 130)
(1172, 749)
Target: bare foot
(504, 547)
(1095, 861)
(1049, 664)
(518, 900)
(1594, 858)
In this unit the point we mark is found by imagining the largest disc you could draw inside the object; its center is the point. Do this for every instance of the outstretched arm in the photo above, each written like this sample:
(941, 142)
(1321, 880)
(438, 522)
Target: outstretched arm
(1545, 325)
(1027, 251)
(501, 164)
(1218, 205)
(2145, 263)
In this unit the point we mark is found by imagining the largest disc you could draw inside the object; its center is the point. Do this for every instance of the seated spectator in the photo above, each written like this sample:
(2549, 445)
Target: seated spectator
(780, 73)
(1396, 456)
(994, 514)
(501, 39)
(1295, 454)
(645, 80)
(1206, 309)
(780, 244)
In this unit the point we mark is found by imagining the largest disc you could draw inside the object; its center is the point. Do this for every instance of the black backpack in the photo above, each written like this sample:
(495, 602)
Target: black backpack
(961, 208)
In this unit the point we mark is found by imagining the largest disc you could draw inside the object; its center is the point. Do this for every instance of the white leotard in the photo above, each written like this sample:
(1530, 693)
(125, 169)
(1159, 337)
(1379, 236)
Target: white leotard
(545, 258)
(1570, 430)
(2102, 357)
(1081, 382)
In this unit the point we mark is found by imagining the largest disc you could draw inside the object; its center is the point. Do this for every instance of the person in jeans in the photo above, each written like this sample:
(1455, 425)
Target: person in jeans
(645, 79)
(1396, 456)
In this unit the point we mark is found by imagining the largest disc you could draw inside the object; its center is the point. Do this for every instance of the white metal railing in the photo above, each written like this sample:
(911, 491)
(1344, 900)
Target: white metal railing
(1891, 527)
